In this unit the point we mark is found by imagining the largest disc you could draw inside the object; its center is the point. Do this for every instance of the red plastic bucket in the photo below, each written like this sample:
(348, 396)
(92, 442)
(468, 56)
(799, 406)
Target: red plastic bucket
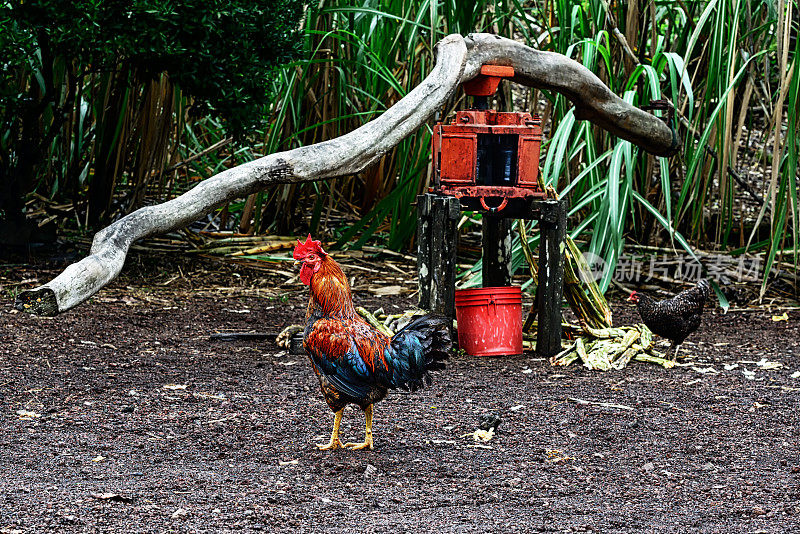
(490, 320)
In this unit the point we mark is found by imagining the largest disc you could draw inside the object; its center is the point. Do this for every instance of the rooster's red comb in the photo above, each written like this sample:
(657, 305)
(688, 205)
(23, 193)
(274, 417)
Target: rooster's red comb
(301, 250)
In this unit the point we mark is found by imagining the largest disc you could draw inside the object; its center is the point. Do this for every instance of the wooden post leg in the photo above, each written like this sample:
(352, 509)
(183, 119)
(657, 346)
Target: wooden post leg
(496, 251)
(551, 276)
(436, 252)
(424, 236)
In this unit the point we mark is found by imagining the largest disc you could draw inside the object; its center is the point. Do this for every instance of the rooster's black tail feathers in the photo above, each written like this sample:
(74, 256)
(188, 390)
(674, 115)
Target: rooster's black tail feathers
(420, 347)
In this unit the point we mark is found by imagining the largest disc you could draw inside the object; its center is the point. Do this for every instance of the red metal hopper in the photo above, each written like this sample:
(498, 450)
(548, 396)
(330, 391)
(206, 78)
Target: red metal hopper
(485, 154)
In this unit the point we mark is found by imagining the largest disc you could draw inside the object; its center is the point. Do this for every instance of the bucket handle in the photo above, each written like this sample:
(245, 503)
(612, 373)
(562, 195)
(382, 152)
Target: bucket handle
(502, 205)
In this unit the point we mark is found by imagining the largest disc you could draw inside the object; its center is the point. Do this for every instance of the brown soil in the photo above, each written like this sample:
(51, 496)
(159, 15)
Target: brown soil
(700, 448)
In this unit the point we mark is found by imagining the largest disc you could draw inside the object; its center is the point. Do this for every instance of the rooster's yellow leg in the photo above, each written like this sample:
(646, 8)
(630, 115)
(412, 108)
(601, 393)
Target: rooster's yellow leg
(368, 437)
(334, 443)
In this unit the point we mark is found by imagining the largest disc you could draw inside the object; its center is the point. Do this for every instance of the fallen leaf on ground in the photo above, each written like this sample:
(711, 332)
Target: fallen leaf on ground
(25, 414)
(289, 462)
(176, 387)
(481, 435)
(784, 317)
(704, 370)
(767, 365)
(555, 456)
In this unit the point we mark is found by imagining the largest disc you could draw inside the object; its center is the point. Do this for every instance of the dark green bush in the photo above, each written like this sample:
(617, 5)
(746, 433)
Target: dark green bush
(55, 54)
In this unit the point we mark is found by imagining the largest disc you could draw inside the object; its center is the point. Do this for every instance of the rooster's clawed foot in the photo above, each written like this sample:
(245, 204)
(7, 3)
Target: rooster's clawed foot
(285, 336)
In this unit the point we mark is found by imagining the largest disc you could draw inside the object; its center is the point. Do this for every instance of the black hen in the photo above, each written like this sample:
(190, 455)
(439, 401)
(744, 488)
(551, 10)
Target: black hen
(673, 318)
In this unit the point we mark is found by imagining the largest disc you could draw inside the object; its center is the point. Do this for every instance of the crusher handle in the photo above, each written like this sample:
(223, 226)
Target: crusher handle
(502, 205)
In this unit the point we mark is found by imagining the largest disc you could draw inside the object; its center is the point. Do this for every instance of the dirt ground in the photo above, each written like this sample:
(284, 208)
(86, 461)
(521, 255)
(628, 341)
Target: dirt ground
(124, 416)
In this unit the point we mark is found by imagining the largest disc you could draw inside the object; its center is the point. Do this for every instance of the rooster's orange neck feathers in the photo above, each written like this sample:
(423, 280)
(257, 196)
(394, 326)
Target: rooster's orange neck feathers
(330, 291)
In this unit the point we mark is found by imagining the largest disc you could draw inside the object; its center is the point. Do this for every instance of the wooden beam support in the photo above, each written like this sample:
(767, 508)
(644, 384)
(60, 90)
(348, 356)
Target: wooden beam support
(424, 235)
(553, 223)
(437, 237)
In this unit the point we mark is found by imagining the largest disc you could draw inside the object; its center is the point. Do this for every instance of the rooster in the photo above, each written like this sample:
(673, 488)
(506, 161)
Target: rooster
(355, 363)
(673, 318)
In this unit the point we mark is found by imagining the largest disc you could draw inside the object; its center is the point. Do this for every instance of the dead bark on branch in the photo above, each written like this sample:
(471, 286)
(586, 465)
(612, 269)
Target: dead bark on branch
(458, 59)
(593, 100)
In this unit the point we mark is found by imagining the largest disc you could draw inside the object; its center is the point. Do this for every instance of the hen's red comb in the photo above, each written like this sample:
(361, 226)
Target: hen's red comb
(301, 250)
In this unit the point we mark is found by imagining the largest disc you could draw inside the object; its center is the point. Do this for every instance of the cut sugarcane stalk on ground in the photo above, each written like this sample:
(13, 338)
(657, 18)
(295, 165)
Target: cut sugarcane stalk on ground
(612, 348)
(597, 344)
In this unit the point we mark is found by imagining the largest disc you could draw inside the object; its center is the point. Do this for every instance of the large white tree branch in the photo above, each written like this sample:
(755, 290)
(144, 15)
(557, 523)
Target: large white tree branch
(458, 59)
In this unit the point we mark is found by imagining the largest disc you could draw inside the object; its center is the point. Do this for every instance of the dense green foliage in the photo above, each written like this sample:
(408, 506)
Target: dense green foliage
(76, 70)
(730, 67)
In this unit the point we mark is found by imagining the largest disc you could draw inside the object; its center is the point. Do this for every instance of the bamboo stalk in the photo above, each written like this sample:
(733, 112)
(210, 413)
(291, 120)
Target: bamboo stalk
(565, 360)
(642, 357)
(628, 351)
(580, 349)
(249, 239)
(580, 288)
(375, 323)
(603, 333)
(604, 349)
(264, 248)
(599, 357)
(625, 357)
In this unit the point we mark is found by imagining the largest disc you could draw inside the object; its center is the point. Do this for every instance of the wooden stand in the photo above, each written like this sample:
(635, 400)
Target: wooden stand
(553, 221)
(436, 258)
(436, 252)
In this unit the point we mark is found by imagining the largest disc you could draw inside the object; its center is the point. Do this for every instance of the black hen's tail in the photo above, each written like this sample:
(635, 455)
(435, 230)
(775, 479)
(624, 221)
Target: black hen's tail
(705, 287)
(699, 294)
(420, 347)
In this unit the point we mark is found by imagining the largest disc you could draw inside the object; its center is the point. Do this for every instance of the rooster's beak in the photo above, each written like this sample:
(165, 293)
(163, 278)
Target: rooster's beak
(298, 263)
